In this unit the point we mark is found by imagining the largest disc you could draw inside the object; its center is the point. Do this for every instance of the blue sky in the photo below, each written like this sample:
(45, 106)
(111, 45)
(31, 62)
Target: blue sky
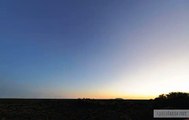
(93, 48)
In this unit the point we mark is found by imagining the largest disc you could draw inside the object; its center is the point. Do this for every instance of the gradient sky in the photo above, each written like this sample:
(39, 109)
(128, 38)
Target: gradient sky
(93, 48)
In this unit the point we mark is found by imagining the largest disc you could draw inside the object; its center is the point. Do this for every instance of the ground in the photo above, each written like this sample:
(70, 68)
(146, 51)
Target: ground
(76, 109)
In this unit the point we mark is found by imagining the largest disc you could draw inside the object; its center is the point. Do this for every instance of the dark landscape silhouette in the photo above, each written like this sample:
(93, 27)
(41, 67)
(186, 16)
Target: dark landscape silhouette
(90, 109)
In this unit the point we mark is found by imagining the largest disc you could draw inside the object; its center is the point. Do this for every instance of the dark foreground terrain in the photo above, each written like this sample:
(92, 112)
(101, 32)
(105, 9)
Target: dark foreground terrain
(74, 109)
(85, 109)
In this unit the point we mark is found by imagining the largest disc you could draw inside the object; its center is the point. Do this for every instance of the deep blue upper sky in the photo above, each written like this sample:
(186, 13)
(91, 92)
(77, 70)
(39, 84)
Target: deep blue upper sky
(91, 48)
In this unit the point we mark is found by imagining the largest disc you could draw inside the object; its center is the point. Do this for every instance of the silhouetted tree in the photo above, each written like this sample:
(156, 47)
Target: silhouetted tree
(161, 97)
(172, 100)
(177, 95)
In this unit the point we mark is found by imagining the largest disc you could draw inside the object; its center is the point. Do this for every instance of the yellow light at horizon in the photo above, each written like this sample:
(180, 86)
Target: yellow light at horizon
(153, 80)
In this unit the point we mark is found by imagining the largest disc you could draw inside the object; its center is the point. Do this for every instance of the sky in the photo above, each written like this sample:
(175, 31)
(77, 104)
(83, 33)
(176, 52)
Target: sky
(129, 49)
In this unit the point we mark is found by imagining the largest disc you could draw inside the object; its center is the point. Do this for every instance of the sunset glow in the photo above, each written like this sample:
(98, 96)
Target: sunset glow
(93, 49)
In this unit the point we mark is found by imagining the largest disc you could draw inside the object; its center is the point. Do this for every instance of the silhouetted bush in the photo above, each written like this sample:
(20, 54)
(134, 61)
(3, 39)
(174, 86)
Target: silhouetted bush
(172, 100)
